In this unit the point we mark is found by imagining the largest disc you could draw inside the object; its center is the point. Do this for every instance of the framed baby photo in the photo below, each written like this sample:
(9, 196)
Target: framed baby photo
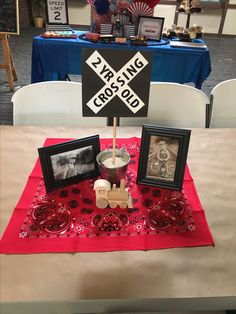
(70, 162)
(163, 156)
(150, 27)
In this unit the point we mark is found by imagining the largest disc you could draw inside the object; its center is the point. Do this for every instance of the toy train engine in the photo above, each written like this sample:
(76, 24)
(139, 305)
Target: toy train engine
(138, 41)
(107, 195)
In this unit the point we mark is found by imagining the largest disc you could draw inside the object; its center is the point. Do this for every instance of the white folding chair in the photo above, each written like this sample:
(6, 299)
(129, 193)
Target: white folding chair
(223, 105)
(174, 105)
(51, 103)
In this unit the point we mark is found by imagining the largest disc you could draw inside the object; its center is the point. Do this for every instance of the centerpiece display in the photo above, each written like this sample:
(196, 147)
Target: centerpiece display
(116, 83)
(118, 20)
(184, 34)
(105, 194)
(189, 7)
(123, 93)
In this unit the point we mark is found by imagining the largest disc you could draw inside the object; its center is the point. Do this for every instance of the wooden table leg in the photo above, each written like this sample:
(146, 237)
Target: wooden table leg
(8, 65)
(13, 68)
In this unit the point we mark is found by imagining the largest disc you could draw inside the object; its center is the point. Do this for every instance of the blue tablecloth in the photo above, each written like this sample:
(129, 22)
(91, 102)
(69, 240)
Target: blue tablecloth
(53, 59)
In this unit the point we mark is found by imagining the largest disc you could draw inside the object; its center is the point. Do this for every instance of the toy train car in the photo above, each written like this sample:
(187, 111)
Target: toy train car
(120, 40)
(106, 39)
(107, 195)
(138, 40)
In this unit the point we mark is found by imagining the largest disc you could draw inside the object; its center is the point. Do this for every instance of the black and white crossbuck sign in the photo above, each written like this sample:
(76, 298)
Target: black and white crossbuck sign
(115, 82)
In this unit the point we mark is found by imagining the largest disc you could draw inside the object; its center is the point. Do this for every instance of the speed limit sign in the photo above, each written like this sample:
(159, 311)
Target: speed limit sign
(57, 12)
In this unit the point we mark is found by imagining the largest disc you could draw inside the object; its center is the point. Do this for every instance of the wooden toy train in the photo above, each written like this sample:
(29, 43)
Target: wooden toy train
(107, 195)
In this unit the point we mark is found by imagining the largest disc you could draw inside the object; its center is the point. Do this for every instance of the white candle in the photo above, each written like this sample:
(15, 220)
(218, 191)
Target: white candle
(119, 162)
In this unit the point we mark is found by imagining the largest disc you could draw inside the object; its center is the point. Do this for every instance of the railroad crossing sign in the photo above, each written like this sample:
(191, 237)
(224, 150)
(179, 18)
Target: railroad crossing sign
(115, 82)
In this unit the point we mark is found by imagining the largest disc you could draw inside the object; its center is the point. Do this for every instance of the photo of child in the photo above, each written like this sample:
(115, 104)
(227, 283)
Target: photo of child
(162, 158)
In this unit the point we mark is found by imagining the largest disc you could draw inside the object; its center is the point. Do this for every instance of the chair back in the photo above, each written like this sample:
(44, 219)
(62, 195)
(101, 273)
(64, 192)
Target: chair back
(173, 105)
(223, 105)
(51, 103)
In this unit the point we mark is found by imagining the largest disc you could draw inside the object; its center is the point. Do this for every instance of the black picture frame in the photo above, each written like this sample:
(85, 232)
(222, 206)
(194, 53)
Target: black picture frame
(163, 155)
(69, 162)
(57, 14)
(150, 27)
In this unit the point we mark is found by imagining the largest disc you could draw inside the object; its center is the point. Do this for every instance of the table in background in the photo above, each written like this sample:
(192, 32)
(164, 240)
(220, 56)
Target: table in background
(53, 59)
(199, 278)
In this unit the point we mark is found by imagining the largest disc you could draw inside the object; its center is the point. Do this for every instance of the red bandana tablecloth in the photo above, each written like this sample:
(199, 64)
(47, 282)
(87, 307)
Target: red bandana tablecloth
(67, 219)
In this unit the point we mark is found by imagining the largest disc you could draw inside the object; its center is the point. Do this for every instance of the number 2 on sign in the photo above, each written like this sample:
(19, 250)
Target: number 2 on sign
(57, 15)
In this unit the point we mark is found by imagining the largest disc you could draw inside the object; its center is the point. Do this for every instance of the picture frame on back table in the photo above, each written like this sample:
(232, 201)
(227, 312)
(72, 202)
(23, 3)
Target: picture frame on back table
(150, 27)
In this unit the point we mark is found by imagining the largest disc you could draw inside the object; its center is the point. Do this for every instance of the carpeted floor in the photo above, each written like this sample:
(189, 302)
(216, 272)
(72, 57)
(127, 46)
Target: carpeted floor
(222, 50)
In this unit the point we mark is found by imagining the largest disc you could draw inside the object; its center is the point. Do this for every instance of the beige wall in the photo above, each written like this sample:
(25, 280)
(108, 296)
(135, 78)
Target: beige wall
(79, 12)
(230, 22)
(209, 19)
(166, 11)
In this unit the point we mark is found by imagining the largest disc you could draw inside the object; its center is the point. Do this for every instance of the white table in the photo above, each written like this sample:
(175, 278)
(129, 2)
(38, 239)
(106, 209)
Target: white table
(199, 278)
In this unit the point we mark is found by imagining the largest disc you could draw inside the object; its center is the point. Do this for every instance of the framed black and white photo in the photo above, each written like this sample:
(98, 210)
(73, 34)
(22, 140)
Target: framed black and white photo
(163, 157)
(70, 162)
(150, 27)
